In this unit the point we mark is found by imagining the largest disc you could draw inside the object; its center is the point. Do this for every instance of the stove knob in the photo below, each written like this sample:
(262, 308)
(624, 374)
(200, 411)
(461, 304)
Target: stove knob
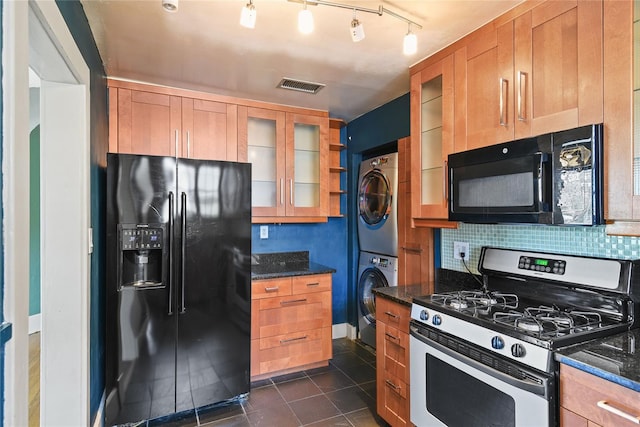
(497, 343)
(436, 320)
(424, 315)
(517, 350)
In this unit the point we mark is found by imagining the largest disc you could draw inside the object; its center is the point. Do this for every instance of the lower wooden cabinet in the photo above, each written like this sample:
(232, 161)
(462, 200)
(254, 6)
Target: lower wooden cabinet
(392, 361)
(588, 400)
(290, 324)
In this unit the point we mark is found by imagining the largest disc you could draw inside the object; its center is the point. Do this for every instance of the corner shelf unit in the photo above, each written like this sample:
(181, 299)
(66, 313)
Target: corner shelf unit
(336, 177)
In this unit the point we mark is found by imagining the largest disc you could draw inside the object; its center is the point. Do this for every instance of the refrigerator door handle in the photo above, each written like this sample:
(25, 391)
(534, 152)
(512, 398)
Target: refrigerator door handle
(171, 221)
(183, 248)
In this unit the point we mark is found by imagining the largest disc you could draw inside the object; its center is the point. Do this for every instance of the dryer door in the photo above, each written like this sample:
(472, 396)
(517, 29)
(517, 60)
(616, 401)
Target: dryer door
(374, 198)
(369, 279)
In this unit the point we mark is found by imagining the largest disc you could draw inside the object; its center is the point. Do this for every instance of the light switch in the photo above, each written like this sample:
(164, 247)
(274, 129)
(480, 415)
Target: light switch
(264, 231)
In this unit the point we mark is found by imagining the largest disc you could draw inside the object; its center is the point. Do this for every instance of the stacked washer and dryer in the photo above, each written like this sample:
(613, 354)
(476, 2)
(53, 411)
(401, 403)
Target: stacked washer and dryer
(377, 236)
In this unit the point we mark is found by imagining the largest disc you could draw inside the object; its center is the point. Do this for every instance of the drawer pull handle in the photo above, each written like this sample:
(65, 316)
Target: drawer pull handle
(293, 339)
(272, 289)
(396, 388)
(408, 249)
(313, 284)
(294, 301)
(390, 314)
(391, 337)
(607, 407)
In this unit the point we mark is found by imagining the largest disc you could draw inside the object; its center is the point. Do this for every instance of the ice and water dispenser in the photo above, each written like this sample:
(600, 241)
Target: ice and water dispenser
(142, 255)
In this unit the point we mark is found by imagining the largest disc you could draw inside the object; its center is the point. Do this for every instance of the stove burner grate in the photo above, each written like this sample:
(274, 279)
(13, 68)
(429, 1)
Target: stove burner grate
(546, 322)
(462, 300)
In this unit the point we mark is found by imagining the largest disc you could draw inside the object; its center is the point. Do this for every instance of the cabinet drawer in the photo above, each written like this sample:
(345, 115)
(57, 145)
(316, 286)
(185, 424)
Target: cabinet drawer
(596, 399)
(394, 352)
(293, 313)
(393, 314)
(393, 400)
(290, 350)
(313, 283)
(270, 288)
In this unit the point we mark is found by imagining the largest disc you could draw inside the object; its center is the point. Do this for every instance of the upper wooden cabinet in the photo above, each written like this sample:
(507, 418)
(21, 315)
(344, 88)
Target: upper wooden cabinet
(536, 72)
(432, 123)
(147, 122)
(621, 139)
(290, 157)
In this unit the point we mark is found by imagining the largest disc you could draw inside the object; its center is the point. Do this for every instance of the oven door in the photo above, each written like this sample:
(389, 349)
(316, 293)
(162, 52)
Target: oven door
(452, 389)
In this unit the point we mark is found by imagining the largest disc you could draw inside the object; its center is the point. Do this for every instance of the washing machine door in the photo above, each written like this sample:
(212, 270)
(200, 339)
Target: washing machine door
(370, 278)
(374, 198)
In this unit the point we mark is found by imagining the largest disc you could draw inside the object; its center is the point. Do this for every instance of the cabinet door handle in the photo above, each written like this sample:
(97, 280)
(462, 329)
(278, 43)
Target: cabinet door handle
(291, 192)
(444, 181)
(188, 145)
(392, 338)
(293, 339)
(176, 143)
(313, 284)
(281, 191)
(396, 388)
(408, 249)
(522, 77)
(272, 288)
(503, 107)
(608, 407)
(293, 301)
(390, 314)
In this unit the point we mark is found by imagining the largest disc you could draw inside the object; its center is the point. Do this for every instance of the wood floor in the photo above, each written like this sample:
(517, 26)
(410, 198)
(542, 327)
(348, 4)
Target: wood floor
(34, 379)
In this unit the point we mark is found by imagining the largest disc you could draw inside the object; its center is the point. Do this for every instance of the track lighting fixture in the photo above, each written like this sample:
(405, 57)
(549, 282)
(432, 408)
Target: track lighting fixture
(170, 5)
(305, 20)
(356, 28)
(410, 43)
(248, 15)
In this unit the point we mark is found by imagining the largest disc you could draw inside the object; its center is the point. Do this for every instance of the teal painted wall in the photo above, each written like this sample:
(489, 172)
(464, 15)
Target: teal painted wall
(76, 20)
(34, 221)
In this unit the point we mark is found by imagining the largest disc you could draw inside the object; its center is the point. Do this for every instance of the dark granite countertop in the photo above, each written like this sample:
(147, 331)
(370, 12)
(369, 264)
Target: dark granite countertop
(615, 358)
(285, 264)
(446, 281)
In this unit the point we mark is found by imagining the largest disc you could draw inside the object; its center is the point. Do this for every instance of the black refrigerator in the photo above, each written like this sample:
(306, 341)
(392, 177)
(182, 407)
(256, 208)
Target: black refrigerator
(178, 285)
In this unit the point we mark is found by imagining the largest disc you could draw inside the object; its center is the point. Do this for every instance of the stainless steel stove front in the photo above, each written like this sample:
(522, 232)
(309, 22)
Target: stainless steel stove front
(489, 389)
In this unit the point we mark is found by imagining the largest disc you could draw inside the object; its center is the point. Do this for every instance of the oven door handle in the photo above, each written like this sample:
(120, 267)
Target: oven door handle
(541, 389)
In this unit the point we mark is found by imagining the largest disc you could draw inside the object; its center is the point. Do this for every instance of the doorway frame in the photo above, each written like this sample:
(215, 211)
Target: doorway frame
(65, 218)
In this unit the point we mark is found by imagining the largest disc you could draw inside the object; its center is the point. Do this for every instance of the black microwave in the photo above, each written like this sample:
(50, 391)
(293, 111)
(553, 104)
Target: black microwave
(556, 178)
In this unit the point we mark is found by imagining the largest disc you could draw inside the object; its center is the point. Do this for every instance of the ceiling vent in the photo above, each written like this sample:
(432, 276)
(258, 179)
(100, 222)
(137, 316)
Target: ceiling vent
(300, 86)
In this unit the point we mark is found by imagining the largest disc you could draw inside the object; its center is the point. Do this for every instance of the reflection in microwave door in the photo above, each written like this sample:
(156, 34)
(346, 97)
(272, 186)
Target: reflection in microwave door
(574, 197)
(575, 157)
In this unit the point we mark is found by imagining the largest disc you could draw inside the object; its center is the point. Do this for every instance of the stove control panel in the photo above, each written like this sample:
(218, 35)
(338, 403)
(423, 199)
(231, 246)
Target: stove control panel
(547, 265)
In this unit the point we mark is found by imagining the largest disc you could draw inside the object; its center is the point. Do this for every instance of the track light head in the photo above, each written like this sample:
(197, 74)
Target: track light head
(305, 20)
(170, 5)
(248, 15)
(357, 30)
(410, 43)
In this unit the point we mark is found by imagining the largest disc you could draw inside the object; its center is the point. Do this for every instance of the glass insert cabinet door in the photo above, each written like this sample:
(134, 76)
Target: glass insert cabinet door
(307, 165)
(431, 138)
(265, 142)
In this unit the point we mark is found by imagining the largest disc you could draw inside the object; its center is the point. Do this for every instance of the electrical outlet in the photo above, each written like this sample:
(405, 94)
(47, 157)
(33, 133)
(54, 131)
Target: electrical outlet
(264, 231)
(460, 247)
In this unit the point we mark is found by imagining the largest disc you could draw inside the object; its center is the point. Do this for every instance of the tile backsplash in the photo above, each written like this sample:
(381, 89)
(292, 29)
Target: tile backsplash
(589, 241)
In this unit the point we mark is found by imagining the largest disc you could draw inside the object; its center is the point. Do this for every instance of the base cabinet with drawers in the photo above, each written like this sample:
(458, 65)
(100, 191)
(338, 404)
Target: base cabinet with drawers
(590, 401)
(290, 324)
(392, 361)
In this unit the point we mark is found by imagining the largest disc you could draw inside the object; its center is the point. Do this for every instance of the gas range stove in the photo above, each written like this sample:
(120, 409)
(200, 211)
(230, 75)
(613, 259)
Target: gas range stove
(529, 304)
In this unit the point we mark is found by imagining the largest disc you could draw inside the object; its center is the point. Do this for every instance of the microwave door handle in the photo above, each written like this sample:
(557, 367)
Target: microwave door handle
(542, 176)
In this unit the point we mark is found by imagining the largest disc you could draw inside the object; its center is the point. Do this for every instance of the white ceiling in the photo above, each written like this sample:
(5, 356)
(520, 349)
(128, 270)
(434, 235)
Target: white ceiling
(203, 47)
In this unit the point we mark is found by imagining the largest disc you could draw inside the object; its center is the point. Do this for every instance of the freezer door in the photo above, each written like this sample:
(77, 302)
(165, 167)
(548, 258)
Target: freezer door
(140, 311)
(214, 291)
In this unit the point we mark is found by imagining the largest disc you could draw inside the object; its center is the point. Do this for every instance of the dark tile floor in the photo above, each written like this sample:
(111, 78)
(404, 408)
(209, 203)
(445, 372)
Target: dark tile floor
(341, 394)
